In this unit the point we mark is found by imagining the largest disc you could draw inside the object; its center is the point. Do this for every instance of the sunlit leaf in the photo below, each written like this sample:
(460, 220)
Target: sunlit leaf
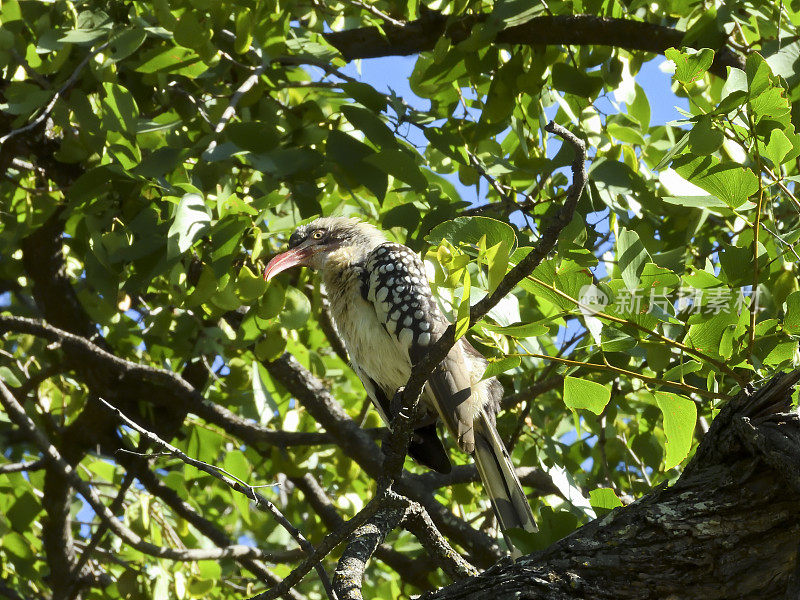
(680, 417)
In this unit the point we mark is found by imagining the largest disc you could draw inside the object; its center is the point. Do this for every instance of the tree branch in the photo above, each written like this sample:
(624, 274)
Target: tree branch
(353, 441)
(34, 465)
(728, 528)
(54, 458)
(48, 109)
(171, 498)
(350, 570)
(561, 30)
(410, 570)
(234, 483)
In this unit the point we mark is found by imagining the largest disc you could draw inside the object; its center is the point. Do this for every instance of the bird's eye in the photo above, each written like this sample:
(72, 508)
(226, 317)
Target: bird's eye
(317, 234)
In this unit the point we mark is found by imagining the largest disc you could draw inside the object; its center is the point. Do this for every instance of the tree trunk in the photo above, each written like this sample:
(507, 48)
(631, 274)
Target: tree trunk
(728, 528)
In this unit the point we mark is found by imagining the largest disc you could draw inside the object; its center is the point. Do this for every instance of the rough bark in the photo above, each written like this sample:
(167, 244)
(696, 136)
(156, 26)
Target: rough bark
(366, 539)
(727, 529)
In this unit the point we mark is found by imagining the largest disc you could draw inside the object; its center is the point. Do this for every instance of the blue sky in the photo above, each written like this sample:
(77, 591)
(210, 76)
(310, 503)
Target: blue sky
(393, 73)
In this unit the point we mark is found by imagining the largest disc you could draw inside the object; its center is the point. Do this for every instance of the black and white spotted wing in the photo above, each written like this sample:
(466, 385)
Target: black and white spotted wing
(396, 283)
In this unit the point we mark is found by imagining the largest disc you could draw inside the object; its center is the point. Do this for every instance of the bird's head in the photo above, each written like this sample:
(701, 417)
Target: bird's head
(311, 245)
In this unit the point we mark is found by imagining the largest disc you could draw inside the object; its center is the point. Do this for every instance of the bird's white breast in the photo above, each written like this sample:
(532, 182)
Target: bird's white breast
(371, 348)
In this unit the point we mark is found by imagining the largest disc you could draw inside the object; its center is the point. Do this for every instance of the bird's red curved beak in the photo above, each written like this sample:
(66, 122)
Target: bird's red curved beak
(286, 260)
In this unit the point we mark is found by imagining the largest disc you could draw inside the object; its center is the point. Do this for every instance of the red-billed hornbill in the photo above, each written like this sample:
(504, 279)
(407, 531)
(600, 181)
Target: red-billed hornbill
(385, 313)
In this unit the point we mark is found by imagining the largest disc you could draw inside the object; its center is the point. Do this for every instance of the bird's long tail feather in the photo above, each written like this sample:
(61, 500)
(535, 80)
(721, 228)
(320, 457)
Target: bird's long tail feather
(500, 480)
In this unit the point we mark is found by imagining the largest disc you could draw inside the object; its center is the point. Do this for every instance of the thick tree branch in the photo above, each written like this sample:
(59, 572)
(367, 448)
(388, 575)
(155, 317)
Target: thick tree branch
(418, 521)
(180, 390)
(410, 570)
(728, 528)
(561, 30)
(350, 570)
(57, 532)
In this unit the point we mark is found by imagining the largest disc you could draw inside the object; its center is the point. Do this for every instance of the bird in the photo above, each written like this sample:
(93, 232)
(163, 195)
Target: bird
(385, 313)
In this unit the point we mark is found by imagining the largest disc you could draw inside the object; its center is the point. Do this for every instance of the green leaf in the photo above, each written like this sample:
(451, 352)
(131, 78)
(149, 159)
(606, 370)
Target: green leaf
(710, 202)
(704, 138)
(121, 112)
(190, 222)
(604, 498)
(502, 95)
(200, 588)
(306, 46)
(367, 121)
(737, 265)
(17, 545)
(509, 13)
(523, 331)
(791, 322)
(462, 317)
(400, 164)
(126, 43)
(639, 109)
(23, 511)
(728, 181)
(173, 59)
(83, 36)
(271, 345)
(672, 152)
(631, 257)
(205, 288)
(497, 264)
(469, 231)
(249, 286)
(209, 569)
(296, 309)
(244, 31)
(575, 81)
(706, 335)
(350, 155)
(496, 367)
(680, 418)
(8, 377)
(758, 74)
(365, 94)
(770, 105)
(271, 303)
(265, 405)
(582, 393)
(778, 147)
(690, 64)
(254, 136)
(784, 60)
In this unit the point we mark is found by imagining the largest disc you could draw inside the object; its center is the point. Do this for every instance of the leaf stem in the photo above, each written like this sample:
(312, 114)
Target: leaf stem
(742, 381)
(606, 367)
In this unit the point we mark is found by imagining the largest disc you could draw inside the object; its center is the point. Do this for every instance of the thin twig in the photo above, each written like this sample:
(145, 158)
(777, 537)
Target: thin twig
(234, 483)
(230, 111)
(17, 414)
(654, 380)
(33, 465)
(742, 381)
(67, 84)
